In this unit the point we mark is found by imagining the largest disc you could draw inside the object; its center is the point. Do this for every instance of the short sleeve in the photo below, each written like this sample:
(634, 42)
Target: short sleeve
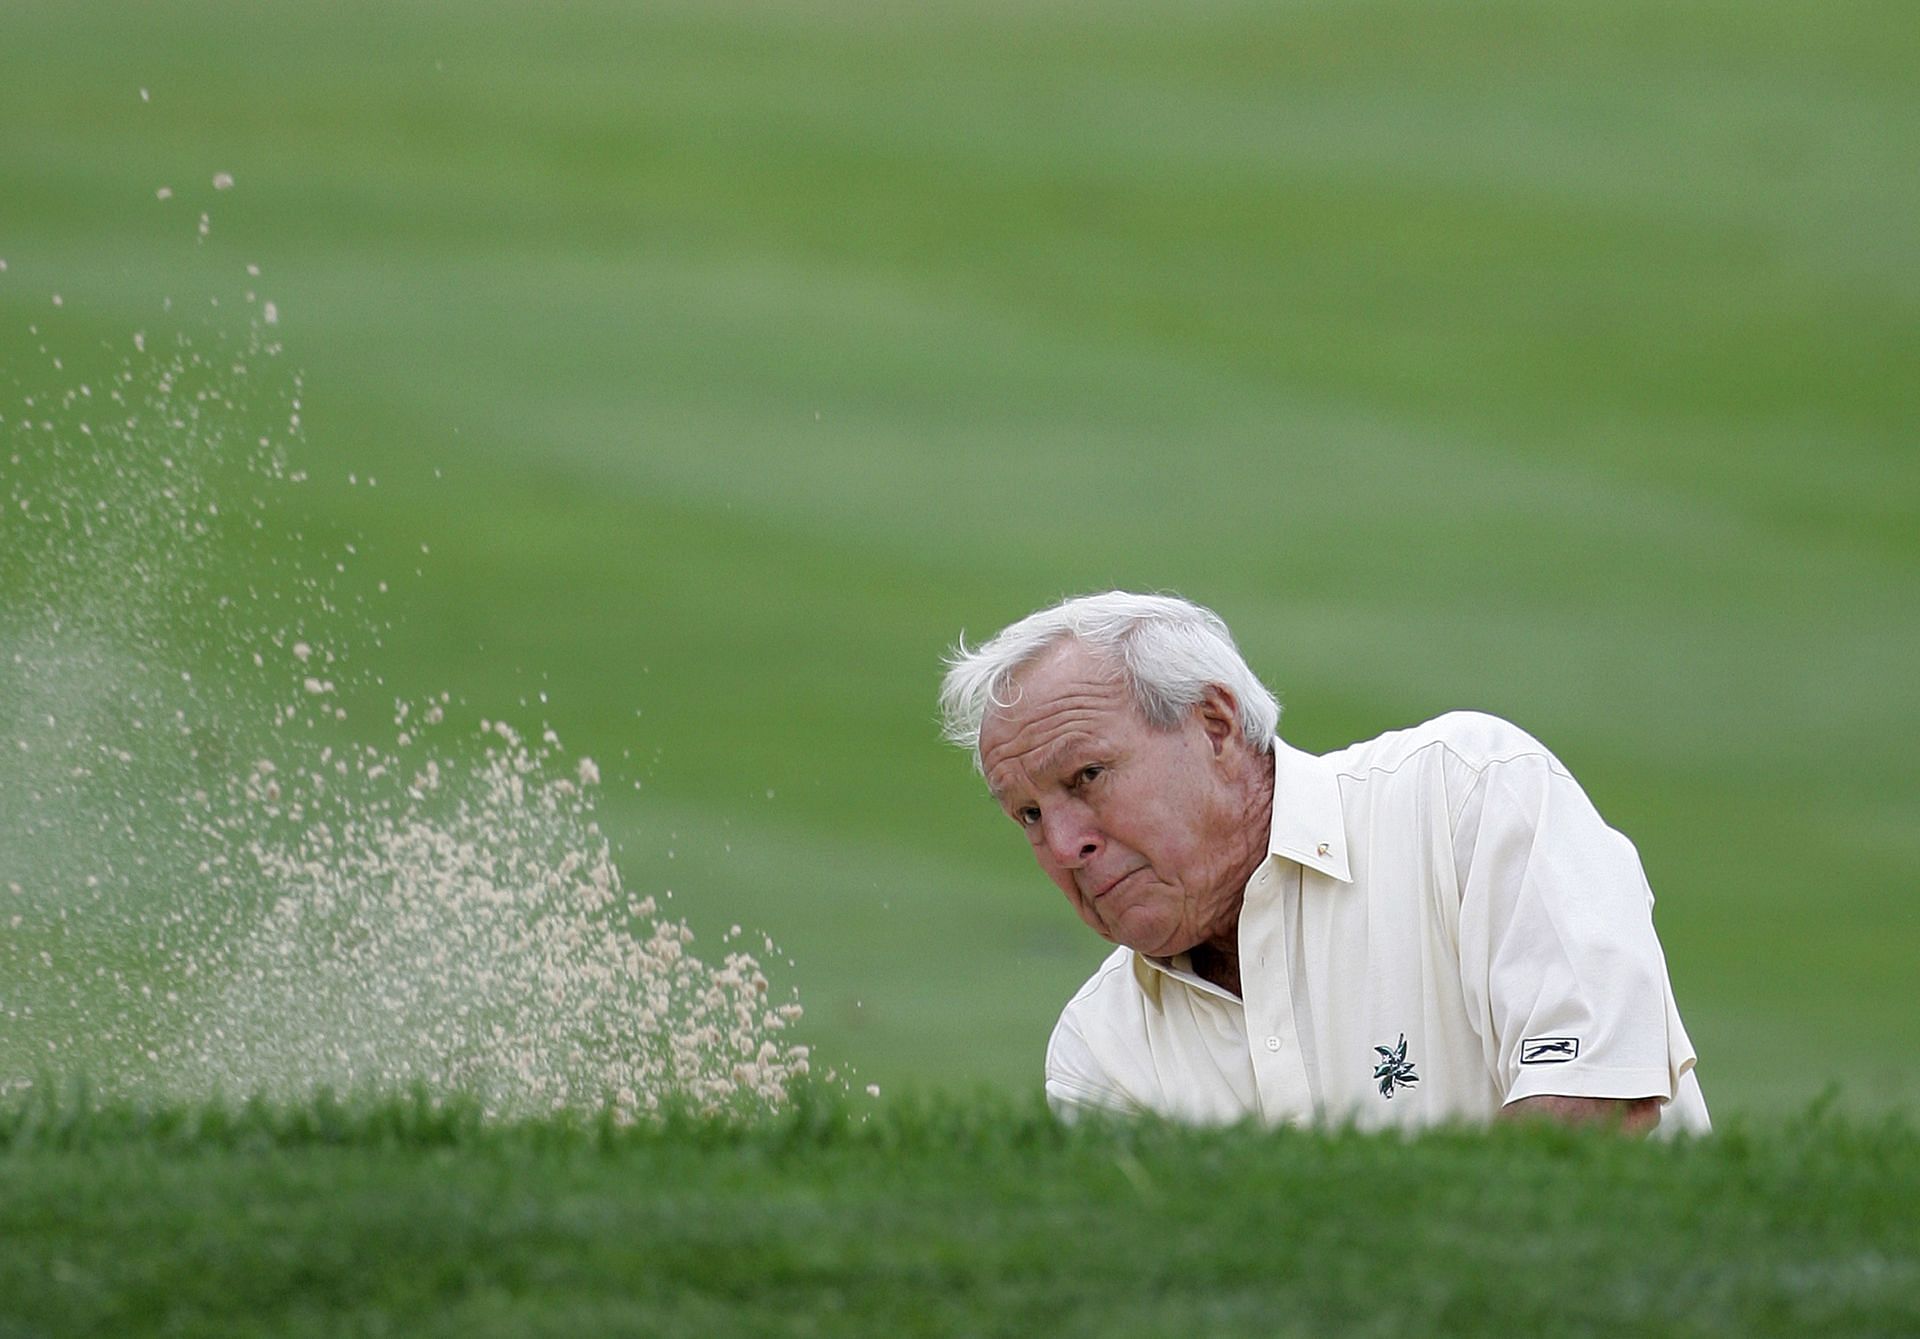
(1560, 964)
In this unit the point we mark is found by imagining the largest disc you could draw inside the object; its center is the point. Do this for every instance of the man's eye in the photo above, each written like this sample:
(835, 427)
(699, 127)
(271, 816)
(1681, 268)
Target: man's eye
(1026, 817)
(1088, 773)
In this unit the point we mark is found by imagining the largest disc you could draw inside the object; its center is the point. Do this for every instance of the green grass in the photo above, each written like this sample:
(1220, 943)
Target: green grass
(732, 357)
(973, 1217)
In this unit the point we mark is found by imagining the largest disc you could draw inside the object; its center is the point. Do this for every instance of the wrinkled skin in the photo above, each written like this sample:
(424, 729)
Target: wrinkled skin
(1151, 833)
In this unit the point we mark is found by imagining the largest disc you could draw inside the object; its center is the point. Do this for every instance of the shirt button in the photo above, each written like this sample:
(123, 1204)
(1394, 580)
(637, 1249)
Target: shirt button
(1273, 1043)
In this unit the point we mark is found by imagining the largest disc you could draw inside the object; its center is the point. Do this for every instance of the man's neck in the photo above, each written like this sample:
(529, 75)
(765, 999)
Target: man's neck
(1217, 958)
(1218, 963)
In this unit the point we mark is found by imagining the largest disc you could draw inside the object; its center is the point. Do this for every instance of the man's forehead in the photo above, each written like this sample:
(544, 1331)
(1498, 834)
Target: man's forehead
(1052, 756)
(1041, 709)
(1066, 671)
(1061, 706)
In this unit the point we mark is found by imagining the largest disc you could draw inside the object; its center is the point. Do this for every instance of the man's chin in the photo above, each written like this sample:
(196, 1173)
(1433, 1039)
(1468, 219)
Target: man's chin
(1146, 940)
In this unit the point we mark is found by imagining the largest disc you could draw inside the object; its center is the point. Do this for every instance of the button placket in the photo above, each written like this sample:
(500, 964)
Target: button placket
(1267, 996)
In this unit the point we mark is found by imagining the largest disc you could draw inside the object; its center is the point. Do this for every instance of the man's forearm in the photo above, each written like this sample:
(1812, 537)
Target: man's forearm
(1634, 1115)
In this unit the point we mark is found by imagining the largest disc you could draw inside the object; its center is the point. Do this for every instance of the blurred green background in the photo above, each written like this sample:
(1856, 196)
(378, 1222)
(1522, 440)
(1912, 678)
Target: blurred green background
(731, 358)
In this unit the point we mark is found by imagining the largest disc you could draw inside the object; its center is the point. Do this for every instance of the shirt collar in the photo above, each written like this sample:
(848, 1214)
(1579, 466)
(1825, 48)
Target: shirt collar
(1308, 825)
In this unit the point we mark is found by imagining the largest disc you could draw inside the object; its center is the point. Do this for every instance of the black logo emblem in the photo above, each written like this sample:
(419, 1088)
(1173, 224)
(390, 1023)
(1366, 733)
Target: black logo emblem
(1394, 1068)
(1548, 1050)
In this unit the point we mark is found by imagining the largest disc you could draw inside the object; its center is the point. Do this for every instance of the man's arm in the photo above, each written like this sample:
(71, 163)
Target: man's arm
(1635, 1115)
(1558, 953)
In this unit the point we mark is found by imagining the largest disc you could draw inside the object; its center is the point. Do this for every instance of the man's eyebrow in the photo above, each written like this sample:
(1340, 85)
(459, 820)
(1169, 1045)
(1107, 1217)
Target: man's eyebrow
(1049, 760)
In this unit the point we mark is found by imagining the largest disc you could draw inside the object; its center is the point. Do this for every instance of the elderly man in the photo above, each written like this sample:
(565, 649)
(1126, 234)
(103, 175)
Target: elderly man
(1434, 925)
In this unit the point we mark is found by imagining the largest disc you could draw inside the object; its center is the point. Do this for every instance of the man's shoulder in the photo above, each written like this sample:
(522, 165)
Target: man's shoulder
(1113, 979)
(1096, 1020)
(1474, 739)
(1114, 1000)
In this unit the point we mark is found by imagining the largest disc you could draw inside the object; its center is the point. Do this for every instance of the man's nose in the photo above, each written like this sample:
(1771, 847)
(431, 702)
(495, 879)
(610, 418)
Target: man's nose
(1072, 840)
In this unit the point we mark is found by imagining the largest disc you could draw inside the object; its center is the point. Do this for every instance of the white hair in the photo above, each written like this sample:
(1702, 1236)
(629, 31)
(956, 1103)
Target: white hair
(1167, 650)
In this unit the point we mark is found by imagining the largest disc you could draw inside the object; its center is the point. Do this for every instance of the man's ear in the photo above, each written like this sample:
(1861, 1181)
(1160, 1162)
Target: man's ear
(1219, 713)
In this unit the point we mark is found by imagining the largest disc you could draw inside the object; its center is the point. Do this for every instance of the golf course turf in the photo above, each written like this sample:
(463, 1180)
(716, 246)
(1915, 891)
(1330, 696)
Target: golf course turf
(973, 1217)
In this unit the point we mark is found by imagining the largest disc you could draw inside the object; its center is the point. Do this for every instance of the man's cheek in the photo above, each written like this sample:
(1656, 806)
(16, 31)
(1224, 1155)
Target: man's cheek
(1083, 908)
(1094, 922)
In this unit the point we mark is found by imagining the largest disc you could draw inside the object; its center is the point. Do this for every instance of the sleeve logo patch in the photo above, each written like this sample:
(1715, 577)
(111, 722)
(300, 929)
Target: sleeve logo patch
(1548, 1050)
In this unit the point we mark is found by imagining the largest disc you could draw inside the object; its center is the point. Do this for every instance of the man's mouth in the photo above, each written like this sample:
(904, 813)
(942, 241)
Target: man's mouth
(1115, 883)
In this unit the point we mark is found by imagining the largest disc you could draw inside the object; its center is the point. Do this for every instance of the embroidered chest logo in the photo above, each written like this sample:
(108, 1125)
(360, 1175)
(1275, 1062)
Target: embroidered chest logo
(1394, 1069)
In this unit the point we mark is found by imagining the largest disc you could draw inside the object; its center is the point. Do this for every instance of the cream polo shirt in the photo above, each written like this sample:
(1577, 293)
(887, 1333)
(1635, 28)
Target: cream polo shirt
(1444, 925)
